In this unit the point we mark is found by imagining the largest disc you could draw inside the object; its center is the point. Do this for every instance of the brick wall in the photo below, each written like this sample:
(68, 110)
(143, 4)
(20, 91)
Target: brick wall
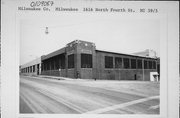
(119, 73)
(86, 73)
(71, 73)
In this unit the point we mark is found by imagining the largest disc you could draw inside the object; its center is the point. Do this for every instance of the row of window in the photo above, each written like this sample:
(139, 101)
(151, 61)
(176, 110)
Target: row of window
(54, 63)
(29, 69)
(129, 63)
(86, 62)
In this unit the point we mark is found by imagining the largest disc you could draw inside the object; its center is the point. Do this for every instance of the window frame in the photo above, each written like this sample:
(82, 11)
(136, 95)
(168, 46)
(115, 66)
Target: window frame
(145, 64)
(150, 64)
(108, 62)
(71, 63)
(133, 66)
(126, 61)
(118, 62)
(86, 60)
(138, 64)
(154, 64)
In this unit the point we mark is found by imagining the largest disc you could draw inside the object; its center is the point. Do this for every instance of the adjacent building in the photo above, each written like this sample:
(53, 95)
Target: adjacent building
(81, 59)
(31, 68)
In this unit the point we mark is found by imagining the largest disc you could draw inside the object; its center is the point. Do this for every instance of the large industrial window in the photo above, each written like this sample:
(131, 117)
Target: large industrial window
(86, 60)
(30, 69)
(33, 68)
(71, 61)
(150, 64)
(108, 62)
(52, 63)
(43, 66)
(48, 65)
(126, 62)
(154, 64)
(139, 64)
(118, 62)
(62, 62)
(56, 63)
(145, 64)
(133, 63)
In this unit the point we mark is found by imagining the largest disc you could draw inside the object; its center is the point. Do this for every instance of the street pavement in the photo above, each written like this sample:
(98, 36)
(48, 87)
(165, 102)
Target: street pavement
(50, 96)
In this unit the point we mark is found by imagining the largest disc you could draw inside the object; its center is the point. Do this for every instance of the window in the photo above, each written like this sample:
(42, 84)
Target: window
(133, 63)
(45, 66)
(139, 64)
(154, 64)
(118, 62)
(30, 68)
(62, 62)
(52, 63)
(145, 64)
(71, 61)
(48, 65)
(126, 62)
(86, 60)
(56, 61)
(150, 64)
(42, 67)
(108, 62)
(33, 68)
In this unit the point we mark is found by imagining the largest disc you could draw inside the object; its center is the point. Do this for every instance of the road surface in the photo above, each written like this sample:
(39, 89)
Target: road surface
(40, 95)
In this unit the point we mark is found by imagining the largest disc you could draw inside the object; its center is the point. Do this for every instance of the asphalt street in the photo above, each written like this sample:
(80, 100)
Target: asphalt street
(40, 95)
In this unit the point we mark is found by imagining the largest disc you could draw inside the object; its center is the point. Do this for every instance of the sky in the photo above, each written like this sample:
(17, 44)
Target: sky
(115, 33)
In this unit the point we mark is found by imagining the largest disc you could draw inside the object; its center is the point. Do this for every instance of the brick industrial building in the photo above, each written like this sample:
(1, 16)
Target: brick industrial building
(80, 59)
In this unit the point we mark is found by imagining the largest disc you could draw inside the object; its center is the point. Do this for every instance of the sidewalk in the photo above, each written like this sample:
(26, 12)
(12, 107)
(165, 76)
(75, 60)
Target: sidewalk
(61, 78)
(53, 77)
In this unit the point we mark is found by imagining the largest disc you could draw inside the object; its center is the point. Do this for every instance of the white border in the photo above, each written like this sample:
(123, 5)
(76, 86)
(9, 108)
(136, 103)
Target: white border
(169, 61)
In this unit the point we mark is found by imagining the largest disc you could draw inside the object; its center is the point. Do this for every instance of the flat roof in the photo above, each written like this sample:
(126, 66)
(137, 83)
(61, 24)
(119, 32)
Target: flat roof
(33, 62)
(125, 54)
(55, 53)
